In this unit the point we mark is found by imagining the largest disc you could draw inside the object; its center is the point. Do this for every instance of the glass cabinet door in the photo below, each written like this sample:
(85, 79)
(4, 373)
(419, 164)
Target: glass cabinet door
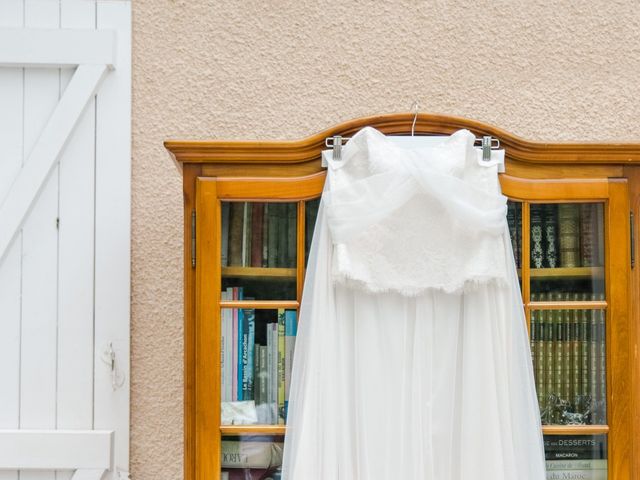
(563, 257)
(264, 247)
(254, 242)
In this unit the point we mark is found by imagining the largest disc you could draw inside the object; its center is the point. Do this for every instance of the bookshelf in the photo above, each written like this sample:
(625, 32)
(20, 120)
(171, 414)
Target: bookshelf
(571, 235)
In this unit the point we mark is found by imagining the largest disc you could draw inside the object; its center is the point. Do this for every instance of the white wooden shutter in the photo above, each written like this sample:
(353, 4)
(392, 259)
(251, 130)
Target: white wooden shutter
(65, 101)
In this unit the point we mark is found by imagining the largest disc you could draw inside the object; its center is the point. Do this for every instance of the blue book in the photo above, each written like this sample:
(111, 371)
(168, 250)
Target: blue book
(241, 353)
(239, 369)
(248, 352)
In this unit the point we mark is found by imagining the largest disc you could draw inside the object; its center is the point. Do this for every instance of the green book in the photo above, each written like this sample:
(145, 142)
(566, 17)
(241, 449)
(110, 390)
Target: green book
(558, 378)
(567, 370)
(541, 387)
(549, 359)
(576, 389)
(569, 234)
(583, 340)
(602, 364)
(593, 362)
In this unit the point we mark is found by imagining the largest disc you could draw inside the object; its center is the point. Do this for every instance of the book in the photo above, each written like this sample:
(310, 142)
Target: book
(540, 353)
(569, 235)
(224, 243)
(593, 364)
(578, 469)
(574, 339)
(599, 234)
(281, 365)
(566, 392)
(236, 215)
(246, 234)
(272, 234)
(537, 247)
(242, 355)
(584, 342)
(251, 453)
(565, 447)
(265, 235)
(257, 217)
(548, 361)
(588, 235)
(270, 378)
(602, 367)
(290, 332)
(550, 233)
(558, 357)
(250, 474)
(292, 240)
(248, 348)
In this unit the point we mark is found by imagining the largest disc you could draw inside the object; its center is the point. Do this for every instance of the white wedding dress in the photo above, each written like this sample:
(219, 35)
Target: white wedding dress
(412, 359)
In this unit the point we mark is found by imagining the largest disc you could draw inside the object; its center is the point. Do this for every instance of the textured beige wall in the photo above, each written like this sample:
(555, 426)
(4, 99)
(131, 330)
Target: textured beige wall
(287, 69)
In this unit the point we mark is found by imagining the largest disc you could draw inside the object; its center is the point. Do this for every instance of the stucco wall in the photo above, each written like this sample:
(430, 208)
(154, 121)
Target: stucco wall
(287, 69)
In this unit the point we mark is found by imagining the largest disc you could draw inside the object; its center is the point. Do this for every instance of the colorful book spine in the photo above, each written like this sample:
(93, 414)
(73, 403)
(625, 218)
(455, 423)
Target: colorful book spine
(602, 367)
(265, 235)
(281, 364)
(558, 372)
(274, 372)
(540, 353)
(292, 243)
(550, 226)
(593, 363)
(290, 332)
(257, 217)
(537, 246)
(588, 235)
(225, 346)
(224, 244)
(242, 354)
(548, 362)
(568, 226)
(584, 352)
(566, 392)
(235, 233)
(248, 347)
(574, 337)
(272, 234)
(599, 248)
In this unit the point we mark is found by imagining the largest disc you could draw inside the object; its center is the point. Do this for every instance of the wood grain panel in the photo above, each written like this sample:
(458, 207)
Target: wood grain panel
(207, 331)
(299, 151)
(618, 332)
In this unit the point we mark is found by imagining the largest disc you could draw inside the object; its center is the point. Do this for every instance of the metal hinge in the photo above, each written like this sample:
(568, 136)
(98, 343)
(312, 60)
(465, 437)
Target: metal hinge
(193, 238)
(633, 240)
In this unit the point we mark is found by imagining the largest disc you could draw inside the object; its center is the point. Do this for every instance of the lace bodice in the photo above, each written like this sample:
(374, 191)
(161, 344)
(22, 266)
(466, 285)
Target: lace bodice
(412, 219)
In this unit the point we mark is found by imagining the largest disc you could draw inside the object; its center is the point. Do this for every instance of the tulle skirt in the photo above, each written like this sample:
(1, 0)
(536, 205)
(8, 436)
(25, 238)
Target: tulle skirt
(437, 386)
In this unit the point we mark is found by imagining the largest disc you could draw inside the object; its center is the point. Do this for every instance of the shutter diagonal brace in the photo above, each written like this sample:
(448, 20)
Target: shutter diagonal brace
(27, 186)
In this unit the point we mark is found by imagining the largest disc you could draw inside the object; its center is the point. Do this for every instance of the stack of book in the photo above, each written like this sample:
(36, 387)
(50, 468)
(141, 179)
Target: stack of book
(575, 457)
(566, 235)
(568, 349)
(259, 234)
(256, 459)
(256, 355)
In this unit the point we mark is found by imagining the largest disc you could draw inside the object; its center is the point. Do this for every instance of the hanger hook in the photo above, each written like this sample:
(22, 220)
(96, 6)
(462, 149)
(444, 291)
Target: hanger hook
(415, 108)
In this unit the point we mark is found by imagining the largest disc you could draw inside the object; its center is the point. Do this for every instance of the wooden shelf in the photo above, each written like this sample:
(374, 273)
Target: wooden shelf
(575, 429)
(237, 430)
(260, 273)
(569, 272)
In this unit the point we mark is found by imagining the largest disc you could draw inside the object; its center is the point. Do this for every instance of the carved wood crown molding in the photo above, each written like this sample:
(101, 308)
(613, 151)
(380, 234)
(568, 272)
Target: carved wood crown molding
(308, 149)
